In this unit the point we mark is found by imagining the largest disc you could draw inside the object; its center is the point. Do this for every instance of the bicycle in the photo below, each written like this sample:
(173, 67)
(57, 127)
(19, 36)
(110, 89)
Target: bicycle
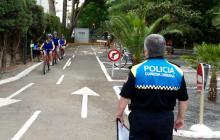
(55, 57)
(46, 63)
(126, 57)
(62, 51)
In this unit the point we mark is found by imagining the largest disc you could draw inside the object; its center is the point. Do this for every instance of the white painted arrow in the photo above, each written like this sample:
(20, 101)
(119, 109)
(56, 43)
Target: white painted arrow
(85, 92)
(9, 100)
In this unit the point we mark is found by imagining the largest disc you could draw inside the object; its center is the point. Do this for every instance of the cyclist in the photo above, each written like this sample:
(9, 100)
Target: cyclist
(36, 50)
(62, 42)
(48, 47)
(57, 44)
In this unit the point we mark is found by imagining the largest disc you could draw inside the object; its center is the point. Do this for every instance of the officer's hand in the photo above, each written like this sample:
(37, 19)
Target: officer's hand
(120, 118)
(179, 123)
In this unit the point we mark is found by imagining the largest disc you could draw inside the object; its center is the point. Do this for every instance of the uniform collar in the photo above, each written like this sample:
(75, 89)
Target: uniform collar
(158, 57)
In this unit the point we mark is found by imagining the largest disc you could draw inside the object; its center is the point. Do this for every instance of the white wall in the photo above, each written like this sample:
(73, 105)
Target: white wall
(81, 35)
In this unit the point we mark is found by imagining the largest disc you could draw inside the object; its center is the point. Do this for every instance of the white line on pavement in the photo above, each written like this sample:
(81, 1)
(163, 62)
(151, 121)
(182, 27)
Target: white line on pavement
(69, 63)
(60, 80)
(73, 56)
(25, 127)
(19, 91)
(76, 50)
(93, 50)
(20, 75)
(64, 67)
(106, 73)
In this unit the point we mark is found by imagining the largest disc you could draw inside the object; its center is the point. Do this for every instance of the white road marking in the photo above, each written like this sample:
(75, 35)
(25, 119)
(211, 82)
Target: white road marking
(25, 127)
(73, 56)
(20, 75)
(76, 50)
(117, 92)
(85, 92)
(4, 102)
(191, 134)
(19, 91)
(106, 73)
(60, 80)
(93, 50)
(64, 67)
(69, 63)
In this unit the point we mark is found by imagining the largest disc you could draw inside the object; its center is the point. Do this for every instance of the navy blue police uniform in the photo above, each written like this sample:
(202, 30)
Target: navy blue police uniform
(153, 87)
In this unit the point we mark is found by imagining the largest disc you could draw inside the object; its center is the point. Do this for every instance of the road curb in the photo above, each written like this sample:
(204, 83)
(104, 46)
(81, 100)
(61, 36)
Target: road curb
(20, 75)
(192, 134)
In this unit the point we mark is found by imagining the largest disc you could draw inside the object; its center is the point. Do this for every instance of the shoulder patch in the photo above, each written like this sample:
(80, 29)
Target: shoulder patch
(134, 68)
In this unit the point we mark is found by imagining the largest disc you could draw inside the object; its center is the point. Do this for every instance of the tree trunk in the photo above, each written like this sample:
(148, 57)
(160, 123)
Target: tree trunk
(14, 47)
(76, 10)
(64, 12)
(213, 87)
(52, 9)
(4, 53)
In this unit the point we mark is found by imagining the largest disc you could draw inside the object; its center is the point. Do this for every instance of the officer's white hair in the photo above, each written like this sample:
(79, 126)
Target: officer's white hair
(155, 45)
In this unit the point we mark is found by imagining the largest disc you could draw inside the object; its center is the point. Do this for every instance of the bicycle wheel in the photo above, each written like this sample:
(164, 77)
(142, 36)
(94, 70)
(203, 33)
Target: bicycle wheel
(121, 62)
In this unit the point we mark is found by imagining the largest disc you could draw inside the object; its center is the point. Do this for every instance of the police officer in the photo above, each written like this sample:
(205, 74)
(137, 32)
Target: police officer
(152, 89)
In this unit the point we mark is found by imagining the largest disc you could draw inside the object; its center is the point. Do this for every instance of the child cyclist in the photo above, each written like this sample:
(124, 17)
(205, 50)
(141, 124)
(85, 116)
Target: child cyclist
(48, 47)
(62, 45)
(57, 44)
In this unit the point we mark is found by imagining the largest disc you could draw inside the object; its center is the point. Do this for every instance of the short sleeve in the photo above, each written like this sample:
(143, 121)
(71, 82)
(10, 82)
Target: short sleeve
(182, 94)
(128, 88)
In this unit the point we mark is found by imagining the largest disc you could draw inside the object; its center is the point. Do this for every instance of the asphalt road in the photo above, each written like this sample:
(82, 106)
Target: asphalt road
(48, 111)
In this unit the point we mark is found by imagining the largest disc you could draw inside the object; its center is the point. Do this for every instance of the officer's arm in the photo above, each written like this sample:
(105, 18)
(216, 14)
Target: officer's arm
(123, 102)
(126, 94)
(182, 105)
(182, 108)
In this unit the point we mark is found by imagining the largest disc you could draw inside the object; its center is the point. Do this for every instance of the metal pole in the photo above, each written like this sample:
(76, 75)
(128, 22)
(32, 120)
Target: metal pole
(113, 67)
(201, 114)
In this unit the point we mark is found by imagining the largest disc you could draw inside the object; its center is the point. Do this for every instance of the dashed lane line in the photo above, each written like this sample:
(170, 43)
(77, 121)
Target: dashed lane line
(64, 67)
(25, 127)
(19, 91)
(60, 80)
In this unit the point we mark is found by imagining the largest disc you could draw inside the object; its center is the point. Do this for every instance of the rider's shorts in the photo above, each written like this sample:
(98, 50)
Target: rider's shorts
(47, 52)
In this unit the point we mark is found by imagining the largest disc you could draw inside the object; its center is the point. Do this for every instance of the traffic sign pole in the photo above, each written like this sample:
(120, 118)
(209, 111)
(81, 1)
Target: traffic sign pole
(202, 103)
(114, 55)
(113, 67)
(202, 76)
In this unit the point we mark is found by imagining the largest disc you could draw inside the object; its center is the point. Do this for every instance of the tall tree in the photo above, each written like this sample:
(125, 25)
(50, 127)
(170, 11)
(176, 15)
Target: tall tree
(64, 12)
(76, 10)
(52, 9)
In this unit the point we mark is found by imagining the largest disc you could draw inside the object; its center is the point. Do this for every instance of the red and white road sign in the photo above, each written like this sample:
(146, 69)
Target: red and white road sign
(202, 76)
(114, 55)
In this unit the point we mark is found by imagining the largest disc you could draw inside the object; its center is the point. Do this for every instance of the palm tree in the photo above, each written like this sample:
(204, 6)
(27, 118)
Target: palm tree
(131, 30)
(210, 54)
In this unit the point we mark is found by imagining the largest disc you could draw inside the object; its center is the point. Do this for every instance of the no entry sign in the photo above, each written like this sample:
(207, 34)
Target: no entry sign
(114, 55)
(202, 76)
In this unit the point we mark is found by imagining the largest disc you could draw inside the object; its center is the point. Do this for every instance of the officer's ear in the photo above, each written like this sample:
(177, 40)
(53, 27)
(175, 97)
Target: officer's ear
(145, 53)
